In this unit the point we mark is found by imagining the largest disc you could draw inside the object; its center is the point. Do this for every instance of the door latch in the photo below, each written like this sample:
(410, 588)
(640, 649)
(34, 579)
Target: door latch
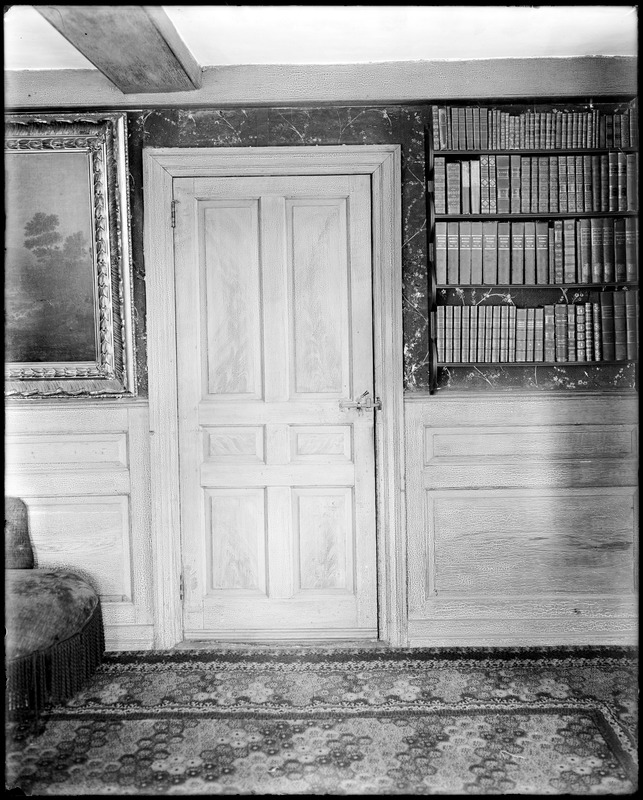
(363, 403)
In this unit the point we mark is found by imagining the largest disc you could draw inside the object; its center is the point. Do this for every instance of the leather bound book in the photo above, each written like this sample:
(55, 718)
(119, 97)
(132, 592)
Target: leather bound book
(473, 334)
(439, 338)
(441, 253)
(631, 323)
(620, 326)
(511, 346)
(504, 253)
(468, 128)
(571, 184)
(504, 333)
(454, 187)
(435, 127)
(580, 332)
(457, 334)
(549, 335)
(474, 166)
(631, 249)
(620, 269)
(493, 187)
(464, 334)
(535, 175)
(530, 252)
(583, 239)
(569, 251)
(632, 182)
(605, 183)
(608, 250)
(490, 252)
(440, 185)
(560, 324)
(488, 335)
(484, 184)
(562, 184)
(521, 334)
(596, 242)
(476, 128)
(588, 198)
(589, 332)
(482, 326)
(476, 252)
(453, 253)
(448, 334)
(580, 184)
(495, 333)
(443, 128)
(621, 179)
(465, 253)
(553, 184)
(612, 177)
(515, 181)
(539, 327)
(596, 183)
(543, 184)
(525, 184)
(465, 180)
(571, 333)
(542, 252)
(517, 252)
(607, 326)
(598, 330)
(503, 185)
(559, 265)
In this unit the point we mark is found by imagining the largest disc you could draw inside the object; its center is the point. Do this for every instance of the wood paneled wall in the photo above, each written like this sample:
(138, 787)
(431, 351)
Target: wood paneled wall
(521, 518)
(83, 470)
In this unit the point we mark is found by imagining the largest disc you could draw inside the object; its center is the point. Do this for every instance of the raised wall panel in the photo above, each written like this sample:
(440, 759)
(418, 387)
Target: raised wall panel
(235, 444)
(83, 470)
(323, 528)
(88, 535)
(319, 288)
(521, 518)
(235, 521)
(233, 304)
(321, 444)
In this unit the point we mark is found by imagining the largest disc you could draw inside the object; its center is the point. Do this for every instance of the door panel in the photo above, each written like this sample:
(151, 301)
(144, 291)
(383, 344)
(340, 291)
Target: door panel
(274, 328)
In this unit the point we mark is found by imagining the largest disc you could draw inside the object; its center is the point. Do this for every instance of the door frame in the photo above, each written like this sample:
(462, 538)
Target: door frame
(383, 164)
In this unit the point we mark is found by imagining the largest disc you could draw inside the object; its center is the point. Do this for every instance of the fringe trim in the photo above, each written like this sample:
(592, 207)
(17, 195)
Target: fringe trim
(47, 677)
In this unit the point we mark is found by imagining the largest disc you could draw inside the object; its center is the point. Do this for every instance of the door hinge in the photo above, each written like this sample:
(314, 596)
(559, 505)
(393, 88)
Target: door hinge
(173, 213)
(181, 595)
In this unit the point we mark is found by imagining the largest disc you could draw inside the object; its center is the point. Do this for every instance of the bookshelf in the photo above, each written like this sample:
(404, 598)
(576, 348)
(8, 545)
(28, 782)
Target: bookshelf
(533, 226)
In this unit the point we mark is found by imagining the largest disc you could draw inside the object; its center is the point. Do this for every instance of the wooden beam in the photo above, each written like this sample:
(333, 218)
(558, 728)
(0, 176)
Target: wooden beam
(357, 84)
(136, 47)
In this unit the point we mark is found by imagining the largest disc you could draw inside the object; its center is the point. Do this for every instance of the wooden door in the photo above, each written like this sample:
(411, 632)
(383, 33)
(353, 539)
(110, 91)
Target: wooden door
(274, 332)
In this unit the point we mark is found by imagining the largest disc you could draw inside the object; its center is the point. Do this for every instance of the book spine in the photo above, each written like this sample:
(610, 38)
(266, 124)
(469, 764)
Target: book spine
(553, 184)
(488, 335)
(484, 128)
(475, 185)
(495, 333)
(631, 324)
(631, 259)
(598, 331)
(521, 334)
(468, 128)
(612, 176)
(448, 334)
(539, 326)
(511, 345)
(620, 268)
(584, 250)
(531, 329)
(490, 252)
(559, 260)
(543, 185)
(476, 252)
(525, 184)
(453, 253)
(589, 332)
(442, 127)
(621, 179)
(596, 242)
(596, 183)
(580, 332)
(482, 325)
(504, 333)
(542, 252)
(465, 187)
(569, 250)
(465, 253)
(464, 334)
(435, 127)
(605, 185)
(515, 180)
(632, 182)
(517, 252)
(457, 334)
(462, 137)
(562, 184)
(504, 253)
(473, 333)
(588, 199)
(503, 184)
(476, 128)
(439, 338)
(441, 253)
(453, 187)
(484, 184)
(608, 250)
(530, 252)
(549, 336)
(580, 184)
(571, 184)
(534, 185)
(620, 326)
(560, 322)
(607, 326)
(440, 185)
(571, 333)
(493, 197)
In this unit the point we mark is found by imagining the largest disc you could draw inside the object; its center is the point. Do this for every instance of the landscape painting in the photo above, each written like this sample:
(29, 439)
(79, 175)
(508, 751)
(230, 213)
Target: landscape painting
(68, 305)
(50, 313)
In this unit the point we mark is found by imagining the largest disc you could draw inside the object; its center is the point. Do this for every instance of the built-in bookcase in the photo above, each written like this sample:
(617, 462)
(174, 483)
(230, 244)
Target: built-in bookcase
(533, 221)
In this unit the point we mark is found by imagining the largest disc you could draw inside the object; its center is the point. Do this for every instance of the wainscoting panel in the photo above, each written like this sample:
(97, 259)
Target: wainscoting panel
(83, 470)
(522, 519)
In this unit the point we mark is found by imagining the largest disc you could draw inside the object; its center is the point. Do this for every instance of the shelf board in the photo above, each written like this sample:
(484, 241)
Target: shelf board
(539, 215)
(530, 363)
(535, 285)
(548, 151)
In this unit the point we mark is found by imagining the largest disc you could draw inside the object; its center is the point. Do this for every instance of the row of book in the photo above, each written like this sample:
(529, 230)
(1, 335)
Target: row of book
(513, 184)
(563, 251)
(480, 128)
(604, 329)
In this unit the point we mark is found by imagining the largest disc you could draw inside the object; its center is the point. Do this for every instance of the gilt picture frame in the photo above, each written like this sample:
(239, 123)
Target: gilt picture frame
(68, 281)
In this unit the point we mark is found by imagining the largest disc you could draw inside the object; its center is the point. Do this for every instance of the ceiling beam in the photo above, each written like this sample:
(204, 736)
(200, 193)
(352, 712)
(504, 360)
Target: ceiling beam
(136, 47)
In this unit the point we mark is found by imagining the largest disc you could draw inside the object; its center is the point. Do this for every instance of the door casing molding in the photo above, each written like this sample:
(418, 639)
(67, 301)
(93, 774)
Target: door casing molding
(383, 164)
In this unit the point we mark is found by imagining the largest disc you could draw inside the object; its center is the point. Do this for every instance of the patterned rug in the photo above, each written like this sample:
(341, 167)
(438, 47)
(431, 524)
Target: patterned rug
(322, 721)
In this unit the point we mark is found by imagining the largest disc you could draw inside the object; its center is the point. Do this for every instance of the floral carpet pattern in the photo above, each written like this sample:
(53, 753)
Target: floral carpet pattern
(349, 721)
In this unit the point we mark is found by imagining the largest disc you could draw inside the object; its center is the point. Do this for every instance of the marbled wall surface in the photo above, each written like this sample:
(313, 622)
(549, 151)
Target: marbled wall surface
(404, 125)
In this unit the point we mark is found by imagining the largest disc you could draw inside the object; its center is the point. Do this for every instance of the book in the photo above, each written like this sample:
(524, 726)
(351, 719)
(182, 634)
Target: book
(631, 254)
(531, 328)
(484, 184)
(442, 128)
(473, 333)
(588, 199)
(441, 253)
(517, 252)
(453, 253)
(465, 253)
(515, 184)
(612, 175)
(530, 252)
(608, 250)
(490, 252)
(503, 185)
(549, 336)
(621, 181)
(476, 129)
(607, 326)
(560, 325)
(620, 269)
(620, 326)
(495, 332)
(435, 127)
(504, 333)
(571, 333)
(534, 185)
(542, 252)
(580, 184)
(455, 129)
(543, 184)
(462, 134)
(484, 129)
(559, 266)
(583, 240)
(439, 325)
(453, 187)
(521, 334)
(448, 333)
(476, 252)
(493, 197)
(596, 248)
(474, 166)
(468, 128)
(551, 257)
(631, 324)
(605, 187)
(539, 328)
(562, 184)
(525, 185)
(465, 340)
(569, 250)
(440, 185)
(589, 332)
(465, 189)
(488, 334)
(553, 184)
(571, 183)
(580, 332)
(596, 183)
(504, 253)
(457, 334)
(511, 343)
(598, 330)
(632, 182)
(482, 324)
